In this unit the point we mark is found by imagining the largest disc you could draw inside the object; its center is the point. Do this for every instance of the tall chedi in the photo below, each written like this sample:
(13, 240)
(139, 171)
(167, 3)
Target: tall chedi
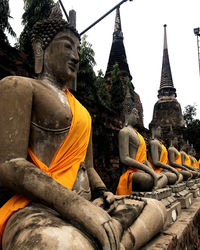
(118, 56)
(167, 111)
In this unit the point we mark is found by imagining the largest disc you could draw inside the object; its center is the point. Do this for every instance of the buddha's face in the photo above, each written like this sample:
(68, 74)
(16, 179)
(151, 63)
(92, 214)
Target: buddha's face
(157, 132)
(61, 60)
(133, 117)
(175, 141)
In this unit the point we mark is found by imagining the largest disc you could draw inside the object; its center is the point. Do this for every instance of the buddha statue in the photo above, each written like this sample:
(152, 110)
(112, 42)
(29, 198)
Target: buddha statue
(186, 161)
(137, 173)
(175, 160)
(194, 162)
(158, 157)
(51, 197)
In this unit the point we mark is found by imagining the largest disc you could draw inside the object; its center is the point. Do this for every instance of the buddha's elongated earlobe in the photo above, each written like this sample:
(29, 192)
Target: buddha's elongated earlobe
(39, 55)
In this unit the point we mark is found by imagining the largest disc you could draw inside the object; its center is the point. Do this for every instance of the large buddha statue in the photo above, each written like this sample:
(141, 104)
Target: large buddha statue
(138, 175)
(51, 197)
(175, 160)
(158, 157)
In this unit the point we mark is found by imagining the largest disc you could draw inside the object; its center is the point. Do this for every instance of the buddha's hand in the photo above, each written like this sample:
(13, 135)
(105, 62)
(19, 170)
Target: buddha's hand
(155, 180)
(180, 178)
(104, 229)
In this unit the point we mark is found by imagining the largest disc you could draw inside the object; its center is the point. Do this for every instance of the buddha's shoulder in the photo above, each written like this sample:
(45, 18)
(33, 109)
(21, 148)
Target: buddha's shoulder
(18, 82)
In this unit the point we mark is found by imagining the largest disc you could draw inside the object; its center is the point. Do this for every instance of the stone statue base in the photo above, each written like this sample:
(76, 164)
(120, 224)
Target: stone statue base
(171, 204)
(193, 188)
(182, 194)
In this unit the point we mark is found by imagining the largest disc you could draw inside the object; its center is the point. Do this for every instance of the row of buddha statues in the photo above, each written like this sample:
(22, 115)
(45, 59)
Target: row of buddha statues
(51, 196)
(159, 167)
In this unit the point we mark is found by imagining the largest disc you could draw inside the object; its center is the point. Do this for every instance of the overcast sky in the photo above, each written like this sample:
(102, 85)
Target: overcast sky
(142, 26)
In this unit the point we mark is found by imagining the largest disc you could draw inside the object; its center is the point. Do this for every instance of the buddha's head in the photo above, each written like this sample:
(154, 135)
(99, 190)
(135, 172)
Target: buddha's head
(192, 151)
(156, 132)
(175, 141)
(132, 118)
(56, 46)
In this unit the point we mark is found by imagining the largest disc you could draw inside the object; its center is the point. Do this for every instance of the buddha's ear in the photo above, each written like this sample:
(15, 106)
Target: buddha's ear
(39, 55)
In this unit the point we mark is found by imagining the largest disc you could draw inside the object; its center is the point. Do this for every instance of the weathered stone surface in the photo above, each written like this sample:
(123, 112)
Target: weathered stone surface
(183, 234)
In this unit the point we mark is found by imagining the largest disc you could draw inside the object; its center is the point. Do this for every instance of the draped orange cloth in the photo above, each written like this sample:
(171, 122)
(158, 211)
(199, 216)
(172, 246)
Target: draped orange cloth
(125, 182)
(187, 160)
(178, 160)
(195, 163)
(163, 159)
(66, 162)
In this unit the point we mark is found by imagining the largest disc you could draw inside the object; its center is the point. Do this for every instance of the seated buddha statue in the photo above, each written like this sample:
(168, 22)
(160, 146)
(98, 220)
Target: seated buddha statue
(175, 160)
(193, 160)
(51, 197)
(186, 161)
(138, 175)
(158, 157)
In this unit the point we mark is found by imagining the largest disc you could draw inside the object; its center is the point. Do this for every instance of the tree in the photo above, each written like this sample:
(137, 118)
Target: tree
(4, 21)
(102, 92)
(192, 132)
(117, 91)
(86, 76)
(189, 113)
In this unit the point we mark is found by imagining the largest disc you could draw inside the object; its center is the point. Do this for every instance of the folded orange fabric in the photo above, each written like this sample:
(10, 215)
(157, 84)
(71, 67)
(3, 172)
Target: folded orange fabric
(187, 160)
(66, 162)
(163, 159)
(125, 182)
(178, 160)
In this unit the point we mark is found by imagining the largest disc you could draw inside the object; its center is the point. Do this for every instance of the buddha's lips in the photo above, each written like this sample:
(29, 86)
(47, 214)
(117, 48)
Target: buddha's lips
(72, 66)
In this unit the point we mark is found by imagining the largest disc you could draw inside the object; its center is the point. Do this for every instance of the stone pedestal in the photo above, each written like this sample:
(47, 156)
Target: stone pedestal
(165, 195)
(183, 234)
(197, 182)
(182, 194)
(173, 213)
(193, 187)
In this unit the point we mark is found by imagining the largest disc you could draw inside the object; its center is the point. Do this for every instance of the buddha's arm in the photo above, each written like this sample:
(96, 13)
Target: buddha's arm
(156, 159)
(172, 160)
(183, 162)
(125, 156)
(96, 182)
(23, 177)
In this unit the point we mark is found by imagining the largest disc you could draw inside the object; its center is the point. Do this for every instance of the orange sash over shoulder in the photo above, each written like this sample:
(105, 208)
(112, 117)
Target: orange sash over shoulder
(163, 159)
(178, 160)
(187, 160)
(125, 182)
(66, 162)
(195, 163)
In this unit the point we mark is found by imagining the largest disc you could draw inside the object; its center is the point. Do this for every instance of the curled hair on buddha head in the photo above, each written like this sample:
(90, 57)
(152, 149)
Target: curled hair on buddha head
(47, 29)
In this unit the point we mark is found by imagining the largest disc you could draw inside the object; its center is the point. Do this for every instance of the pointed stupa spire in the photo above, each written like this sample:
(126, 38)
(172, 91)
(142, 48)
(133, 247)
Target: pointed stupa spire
(118, 28)
(166, 82)
(118, 53)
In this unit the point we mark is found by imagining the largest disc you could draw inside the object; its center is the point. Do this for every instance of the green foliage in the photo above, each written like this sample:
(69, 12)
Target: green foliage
(86, 76)
(102, 92)
(131, 88)
(189, 113)
(4, 21)
(117, 91)
(192, 132)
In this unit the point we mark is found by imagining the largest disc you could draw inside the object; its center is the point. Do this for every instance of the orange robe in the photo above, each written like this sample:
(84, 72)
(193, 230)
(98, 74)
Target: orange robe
(187, 160)
(125, 182)
(163, 159)
(66, 162)
(178, 160)
(195, 163)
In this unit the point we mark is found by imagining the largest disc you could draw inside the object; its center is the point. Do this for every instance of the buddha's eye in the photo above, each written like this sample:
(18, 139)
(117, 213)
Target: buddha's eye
(68, 46)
